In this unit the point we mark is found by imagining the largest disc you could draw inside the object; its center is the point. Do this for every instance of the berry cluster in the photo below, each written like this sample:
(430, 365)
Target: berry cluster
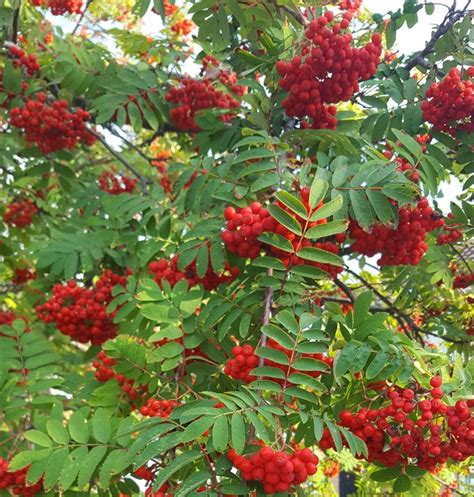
(161, 492)
(158, 408)
(351, 6)
(52, 126)
(245, 225)
(7, 317)
(60, 7)
(210, 64)
(22, 276)
(245, 359)
(415, 428)
(463, 280)
(15, 481)
(168, 270)
(20, 214)
(276, 470)
(170, 8)
(328, 71)
(105, 372)
(21, 59)
(243, 362)
(452, 233)
(183, 27)
(194, 95)
(402, 245)
(449, 105)
(80, 312)
(116, 184)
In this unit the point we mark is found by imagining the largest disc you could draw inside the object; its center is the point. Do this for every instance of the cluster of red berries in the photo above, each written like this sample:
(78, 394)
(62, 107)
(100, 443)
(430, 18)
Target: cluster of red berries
(403, 164)
(20, 214)
(15, 481)
(161, 492)
(21, 59)
(245, 359)
(7, 317)
(169, 8)
(463, 280)
(402, 245)
(158, 408)
(52, 126)
(276, 470)
(116, 184)
(415, 428)
(449, 105)
(194, 95)
(245, 225)
(351, 6)
(328, 71)
(22, 276)
(183, 27)
(451, 234)
(168, 270)
(60, 7)
(105, 372)
(242, 364)
(227, 78)
(80, 312)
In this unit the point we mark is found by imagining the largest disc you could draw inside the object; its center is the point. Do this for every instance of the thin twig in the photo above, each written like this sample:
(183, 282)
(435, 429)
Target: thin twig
(79, 22)
(451, 18)
(296, 14)
(143, 181)
(16, 23)
(459, 254)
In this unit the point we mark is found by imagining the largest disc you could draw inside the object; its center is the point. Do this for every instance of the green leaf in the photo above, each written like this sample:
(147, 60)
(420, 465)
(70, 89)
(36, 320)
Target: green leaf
(327, 229)
(344, 359)
(197, 428)
(277, 334)
(101, 427)
(202, 260)
(54, 467)
(57, 431)
(220, 434)
(238, 432)
(78, 428)
(386, 474)
(309, 364)
(192, 482)
(390, 34)
(362, 306)
(376, 365)
(265, 181)
(319, 255)
(38, 438)
(285, 219)
(294, 204)
(277, 241)
(269, 262)
(382, 207)
(410, 143)
(182, 460)
(89, 464)
(71, 467)
(402, 484)
(362, 210)
(317, 192)
(273, 354)
(288, 320)
(328, 209)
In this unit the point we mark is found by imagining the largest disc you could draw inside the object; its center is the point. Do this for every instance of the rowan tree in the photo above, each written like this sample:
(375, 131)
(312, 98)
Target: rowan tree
(235, 248)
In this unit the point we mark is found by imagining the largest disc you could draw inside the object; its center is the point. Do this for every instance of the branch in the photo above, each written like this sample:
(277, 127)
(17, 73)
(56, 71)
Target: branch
(115, 132)
(79, 22)
(459, 254)
(143, 181)
(345, 289)
(296, 14)
(16, 23)
(267, 309)
(451, 18)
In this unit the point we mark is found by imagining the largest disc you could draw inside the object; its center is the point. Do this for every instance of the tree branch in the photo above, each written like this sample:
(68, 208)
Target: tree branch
(296, 14)
(16, 23)
(143, 181)
(79, 22)
(451, 18)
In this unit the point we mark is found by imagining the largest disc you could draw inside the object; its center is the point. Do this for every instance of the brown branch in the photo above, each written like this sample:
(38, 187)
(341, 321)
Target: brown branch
(143, 181)
(79, 22)
(296, 14)
(459, 254)
(451, 18)
(16, 23)
(345, 289)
